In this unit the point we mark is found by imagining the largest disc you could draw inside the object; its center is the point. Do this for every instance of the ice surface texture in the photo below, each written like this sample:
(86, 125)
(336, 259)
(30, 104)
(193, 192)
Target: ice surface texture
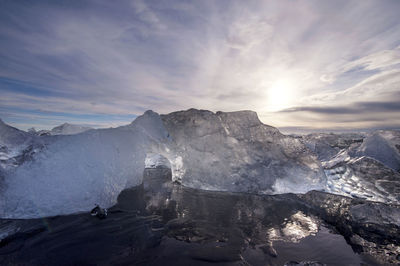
(52, 175)
(383, 146)
(216, 151)
(236, 152)
(14, 144)
(360, 165)
(73, 173)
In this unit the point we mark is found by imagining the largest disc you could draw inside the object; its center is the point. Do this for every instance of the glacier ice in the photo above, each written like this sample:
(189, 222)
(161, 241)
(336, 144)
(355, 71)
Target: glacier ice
(233, 151)
(15, 146)
(365, 178)
(365, 166)
(64, 129)
(68, 129)
(328, 145)
(215, 151)
(72, 173)
(383, 146)
(154, 160)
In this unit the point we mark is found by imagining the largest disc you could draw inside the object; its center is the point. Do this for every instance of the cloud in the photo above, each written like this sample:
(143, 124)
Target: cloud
(327, 78)
(373, 102)
(382, 86)
(378, 60)
(102, 57)
(355, 108)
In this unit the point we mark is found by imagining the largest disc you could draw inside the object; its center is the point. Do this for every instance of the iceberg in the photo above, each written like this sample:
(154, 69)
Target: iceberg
(235, 151)
(72, 173)
(365, 178)
(215, 151)
(64, 129)
(222, 151)
(328, 145)
(364, 166)
(15, 146)
(383, 146)
(68, 129)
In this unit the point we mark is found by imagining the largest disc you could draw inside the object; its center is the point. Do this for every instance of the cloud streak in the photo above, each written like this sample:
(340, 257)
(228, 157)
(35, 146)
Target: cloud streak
(356, 108)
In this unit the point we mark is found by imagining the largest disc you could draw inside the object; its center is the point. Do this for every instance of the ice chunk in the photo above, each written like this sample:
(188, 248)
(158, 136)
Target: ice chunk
(364, 178)
(12, 137)
(383, 146)
(206, 150)
(367, 169)
(326, 146)
(15, 146)
(64, 129)
(72, 173)
(68, 129)
(236, 152)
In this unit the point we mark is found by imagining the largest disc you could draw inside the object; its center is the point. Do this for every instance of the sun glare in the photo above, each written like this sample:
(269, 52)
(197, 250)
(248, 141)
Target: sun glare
(280, 95)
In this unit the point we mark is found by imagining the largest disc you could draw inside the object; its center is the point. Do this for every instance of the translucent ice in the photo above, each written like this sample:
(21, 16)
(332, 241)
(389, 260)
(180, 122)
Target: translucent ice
(236, 152)
(72, 173)
(383, 146)
(215, 151)
(14, 144)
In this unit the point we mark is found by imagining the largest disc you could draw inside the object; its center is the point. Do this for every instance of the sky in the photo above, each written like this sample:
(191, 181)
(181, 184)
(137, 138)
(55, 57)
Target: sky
(301, 64)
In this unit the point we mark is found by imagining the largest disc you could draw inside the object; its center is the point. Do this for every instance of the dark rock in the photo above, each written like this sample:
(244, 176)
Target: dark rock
(99, 212)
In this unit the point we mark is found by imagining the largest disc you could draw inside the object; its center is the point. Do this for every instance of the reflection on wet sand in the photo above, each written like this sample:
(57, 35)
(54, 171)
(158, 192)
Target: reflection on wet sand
(234, 227)
(161, 223)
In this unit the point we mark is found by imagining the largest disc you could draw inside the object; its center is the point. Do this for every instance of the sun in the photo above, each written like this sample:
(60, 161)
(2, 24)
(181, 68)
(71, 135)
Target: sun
(281, 94)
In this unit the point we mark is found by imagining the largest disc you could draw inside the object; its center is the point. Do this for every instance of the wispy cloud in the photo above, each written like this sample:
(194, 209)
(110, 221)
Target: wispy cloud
(121, 58)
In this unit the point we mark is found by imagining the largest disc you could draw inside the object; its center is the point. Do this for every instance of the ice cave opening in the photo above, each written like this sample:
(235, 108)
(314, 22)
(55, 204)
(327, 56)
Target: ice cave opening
(156, 166)
(155, 160)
